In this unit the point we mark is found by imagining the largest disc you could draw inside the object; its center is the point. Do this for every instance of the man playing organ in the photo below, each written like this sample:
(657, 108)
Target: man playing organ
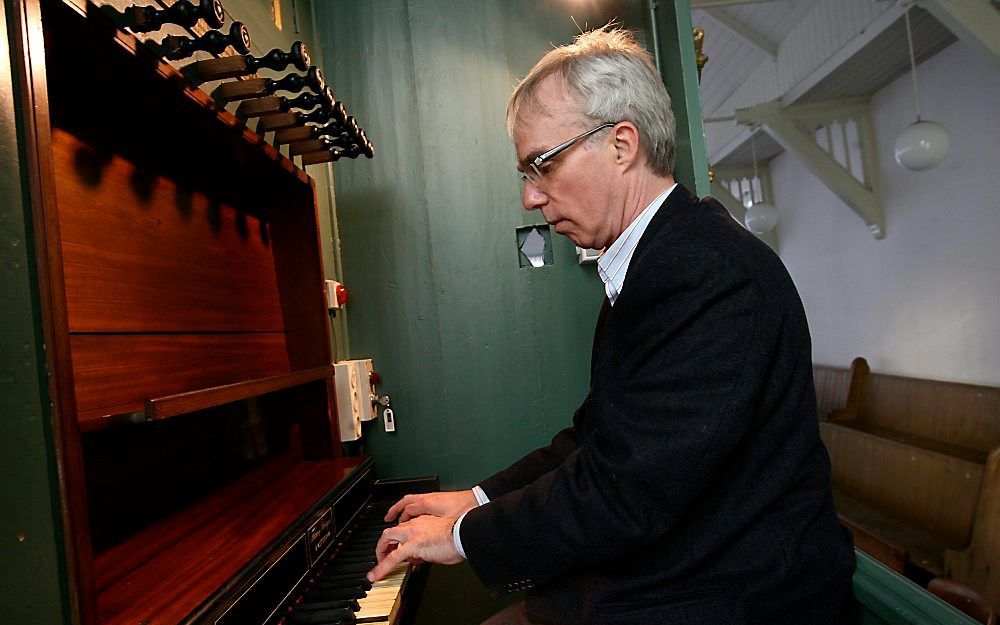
(692, 486)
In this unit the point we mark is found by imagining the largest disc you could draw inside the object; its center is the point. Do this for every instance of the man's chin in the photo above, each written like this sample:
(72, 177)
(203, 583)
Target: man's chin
(561, 227)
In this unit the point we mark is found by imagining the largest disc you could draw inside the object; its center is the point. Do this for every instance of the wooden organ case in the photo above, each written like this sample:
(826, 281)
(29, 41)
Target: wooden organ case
(188, 344)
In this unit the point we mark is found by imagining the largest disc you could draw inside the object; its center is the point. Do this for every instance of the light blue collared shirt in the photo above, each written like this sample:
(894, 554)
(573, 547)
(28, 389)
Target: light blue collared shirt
(613, 264)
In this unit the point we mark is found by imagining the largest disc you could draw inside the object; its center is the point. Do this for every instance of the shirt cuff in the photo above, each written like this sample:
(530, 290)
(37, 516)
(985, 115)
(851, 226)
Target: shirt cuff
(481, 497)
(457, 536)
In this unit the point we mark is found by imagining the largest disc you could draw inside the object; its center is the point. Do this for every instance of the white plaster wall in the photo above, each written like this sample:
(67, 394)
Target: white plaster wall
(925, 301)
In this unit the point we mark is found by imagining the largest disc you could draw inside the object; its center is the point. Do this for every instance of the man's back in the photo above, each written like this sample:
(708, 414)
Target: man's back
(716, 502)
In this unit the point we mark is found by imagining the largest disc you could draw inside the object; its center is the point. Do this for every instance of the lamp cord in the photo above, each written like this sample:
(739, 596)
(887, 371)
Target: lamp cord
(913, 63)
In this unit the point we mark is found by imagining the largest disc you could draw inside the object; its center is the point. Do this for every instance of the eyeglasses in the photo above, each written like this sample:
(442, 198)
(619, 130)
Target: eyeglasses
(534, 174)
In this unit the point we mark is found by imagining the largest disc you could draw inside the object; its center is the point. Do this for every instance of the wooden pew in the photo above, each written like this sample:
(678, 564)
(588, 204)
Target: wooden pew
(916, 471)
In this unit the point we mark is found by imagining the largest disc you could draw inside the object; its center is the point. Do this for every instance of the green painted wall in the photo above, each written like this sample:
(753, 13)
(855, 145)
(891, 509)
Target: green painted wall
(484, 360)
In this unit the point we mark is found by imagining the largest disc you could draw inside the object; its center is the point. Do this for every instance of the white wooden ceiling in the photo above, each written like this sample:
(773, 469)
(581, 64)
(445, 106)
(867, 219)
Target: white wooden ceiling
(732, 58)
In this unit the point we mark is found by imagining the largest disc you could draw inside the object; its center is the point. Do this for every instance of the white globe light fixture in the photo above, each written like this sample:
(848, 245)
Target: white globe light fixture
(760, 217)
(925, 143)
(922, 146)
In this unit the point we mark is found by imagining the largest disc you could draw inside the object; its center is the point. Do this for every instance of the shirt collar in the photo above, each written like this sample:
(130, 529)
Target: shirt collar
(613, 263)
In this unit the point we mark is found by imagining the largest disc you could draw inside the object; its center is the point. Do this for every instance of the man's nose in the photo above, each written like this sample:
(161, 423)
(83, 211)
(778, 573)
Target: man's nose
(532, 197)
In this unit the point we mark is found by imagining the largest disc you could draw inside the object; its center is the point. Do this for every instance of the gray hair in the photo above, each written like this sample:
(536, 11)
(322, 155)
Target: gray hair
(615, 80)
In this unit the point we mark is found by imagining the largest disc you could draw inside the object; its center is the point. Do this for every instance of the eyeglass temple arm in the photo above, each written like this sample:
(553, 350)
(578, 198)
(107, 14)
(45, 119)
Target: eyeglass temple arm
(541, 158)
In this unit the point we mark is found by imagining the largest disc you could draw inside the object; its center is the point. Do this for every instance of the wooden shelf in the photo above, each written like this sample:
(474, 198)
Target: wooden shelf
(173, 405)
(160, 408)
(159, 575)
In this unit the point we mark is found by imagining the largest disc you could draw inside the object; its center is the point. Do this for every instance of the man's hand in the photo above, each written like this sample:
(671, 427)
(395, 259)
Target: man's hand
(424, 539)
(452, 504)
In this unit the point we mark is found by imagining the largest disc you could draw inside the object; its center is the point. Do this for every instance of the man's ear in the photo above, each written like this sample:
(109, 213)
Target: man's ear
(625, 138)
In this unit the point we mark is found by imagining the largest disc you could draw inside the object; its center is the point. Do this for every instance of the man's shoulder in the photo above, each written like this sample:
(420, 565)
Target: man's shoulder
(696, 229)
(697, 240)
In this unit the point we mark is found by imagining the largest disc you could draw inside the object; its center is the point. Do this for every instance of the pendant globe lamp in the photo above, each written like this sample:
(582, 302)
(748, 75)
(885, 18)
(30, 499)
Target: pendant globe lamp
(761, 217)
(925, 143)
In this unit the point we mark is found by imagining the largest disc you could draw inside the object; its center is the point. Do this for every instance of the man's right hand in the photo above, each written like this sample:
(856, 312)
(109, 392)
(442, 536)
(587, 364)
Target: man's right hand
(450, 504)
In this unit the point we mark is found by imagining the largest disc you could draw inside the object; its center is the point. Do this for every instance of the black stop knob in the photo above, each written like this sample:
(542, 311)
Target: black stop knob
(307, 101)
(213, 41)
(183, 13)
(313, 79)
(277, 59)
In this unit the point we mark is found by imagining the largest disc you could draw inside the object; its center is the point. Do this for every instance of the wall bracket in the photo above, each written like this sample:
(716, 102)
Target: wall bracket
(795, 128)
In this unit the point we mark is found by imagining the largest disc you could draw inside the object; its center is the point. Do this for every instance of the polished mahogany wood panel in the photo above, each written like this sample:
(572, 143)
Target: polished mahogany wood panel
(223, 533)
(181, 403)
(297, 255)
(118, 373)
(153, 209)
(142, 254)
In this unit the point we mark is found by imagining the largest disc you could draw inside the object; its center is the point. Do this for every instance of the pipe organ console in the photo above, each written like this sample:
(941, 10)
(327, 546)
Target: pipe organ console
(187, 336)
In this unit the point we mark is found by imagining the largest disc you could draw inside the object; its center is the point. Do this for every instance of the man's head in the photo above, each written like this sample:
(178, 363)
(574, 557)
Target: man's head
(587, 190)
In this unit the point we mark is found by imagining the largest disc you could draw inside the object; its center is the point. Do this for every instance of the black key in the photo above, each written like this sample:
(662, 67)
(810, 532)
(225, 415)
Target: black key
(333, 615)
(355, 551)
(336, 568)
(375, 523)
(356, 559)
(312, 606)
(334, 594)
(340, 580)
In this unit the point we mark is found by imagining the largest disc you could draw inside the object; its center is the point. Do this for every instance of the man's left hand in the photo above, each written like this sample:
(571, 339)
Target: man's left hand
(423, 539)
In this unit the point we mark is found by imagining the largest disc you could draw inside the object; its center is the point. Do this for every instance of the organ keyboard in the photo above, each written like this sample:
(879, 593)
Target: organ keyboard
(316, 575)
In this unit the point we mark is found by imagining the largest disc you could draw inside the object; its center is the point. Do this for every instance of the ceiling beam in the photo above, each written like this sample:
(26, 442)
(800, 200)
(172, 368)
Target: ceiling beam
(744, 32)
(975, 22)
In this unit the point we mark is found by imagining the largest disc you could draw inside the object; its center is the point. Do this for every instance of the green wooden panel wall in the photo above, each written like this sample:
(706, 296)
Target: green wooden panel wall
(484, 360)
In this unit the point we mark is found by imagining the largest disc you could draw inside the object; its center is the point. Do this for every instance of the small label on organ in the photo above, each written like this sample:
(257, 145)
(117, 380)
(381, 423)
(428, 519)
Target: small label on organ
(320, 535)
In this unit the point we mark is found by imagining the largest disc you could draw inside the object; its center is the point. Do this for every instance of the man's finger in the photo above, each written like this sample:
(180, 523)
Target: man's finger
(413, 510)
(388, 563)
(388, 541)
(398, 507)
(385, 548)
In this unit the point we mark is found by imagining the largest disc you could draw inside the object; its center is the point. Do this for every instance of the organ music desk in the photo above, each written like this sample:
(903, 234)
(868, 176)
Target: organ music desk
(188, 347)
